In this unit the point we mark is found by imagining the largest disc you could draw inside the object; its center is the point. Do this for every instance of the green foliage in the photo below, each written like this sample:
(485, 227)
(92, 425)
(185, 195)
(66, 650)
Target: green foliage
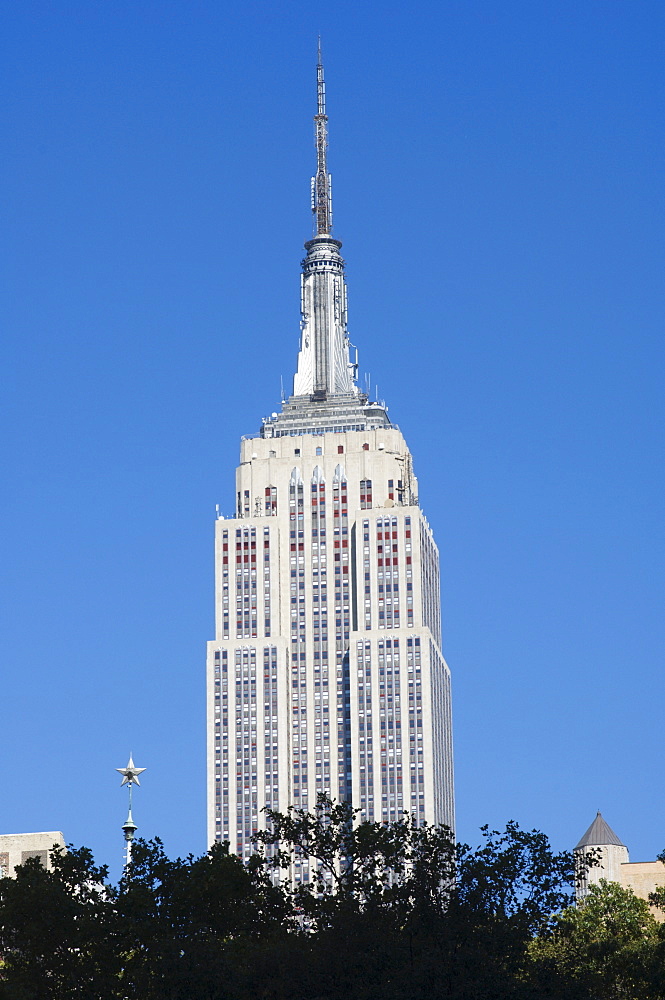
(181, 921)
(391, 911)
(53, 929)
(607, 946)
(657, 898)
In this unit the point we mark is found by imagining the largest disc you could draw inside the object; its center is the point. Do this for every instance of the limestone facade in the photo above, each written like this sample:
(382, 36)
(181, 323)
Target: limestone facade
(16, 848)
(326, 673)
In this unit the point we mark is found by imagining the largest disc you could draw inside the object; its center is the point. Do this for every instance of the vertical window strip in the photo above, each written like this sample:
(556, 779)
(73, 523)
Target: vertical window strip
(429, 582)
(246, 749)
(366, 776)
(270, 727)
(266, 583)
(390, 730)
(270, 501)
(225, 584)
(367, 596)
(419, 732)
(298, 645)
(342, 627)
(409, 589)
(224, 745)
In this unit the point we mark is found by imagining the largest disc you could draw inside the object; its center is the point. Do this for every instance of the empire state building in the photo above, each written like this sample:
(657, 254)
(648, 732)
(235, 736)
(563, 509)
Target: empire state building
(326, 672)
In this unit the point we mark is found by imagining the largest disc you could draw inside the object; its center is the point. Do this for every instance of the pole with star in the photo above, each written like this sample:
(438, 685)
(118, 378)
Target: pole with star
(130, 776)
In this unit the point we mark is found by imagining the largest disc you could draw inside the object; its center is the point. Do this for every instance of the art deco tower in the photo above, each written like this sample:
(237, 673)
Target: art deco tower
(326, 672)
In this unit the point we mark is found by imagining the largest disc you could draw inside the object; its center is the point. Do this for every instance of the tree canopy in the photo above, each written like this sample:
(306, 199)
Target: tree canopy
(328, 908)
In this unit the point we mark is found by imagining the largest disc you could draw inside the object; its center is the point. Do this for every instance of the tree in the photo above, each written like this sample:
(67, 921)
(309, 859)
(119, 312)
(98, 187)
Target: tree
(195, 927)
(413, 914)
(54, 929)
(356, 866)
(388, 911)
(605, 947)
(201, 928)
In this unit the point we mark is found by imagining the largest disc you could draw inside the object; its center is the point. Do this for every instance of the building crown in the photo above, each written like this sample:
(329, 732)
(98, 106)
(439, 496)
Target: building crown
(325, 394)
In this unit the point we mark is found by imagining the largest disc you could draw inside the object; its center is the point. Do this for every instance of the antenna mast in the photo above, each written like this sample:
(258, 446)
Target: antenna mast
(322, 183)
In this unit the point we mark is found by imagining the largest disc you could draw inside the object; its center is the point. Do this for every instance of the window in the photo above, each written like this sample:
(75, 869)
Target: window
(319, 451)
(270, 500)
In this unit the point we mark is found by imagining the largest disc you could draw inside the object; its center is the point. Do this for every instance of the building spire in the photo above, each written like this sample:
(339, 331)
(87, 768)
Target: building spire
(322, 182)
(320, 83)
(325, 369)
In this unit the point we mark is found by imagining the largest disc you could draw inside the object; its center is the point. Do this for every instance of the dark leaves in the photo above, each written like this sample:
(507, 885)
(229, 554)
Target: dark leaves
(386, 911)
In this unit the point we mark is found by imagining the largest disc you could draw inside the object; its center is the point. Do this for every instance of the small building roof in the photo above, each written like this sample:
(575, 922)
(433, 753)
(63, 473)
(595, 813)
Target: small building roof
(599, 834)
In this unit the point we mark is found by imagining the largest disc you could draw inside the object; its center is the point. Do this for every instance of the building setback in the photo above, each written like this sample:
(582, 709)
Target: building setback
(326, 672)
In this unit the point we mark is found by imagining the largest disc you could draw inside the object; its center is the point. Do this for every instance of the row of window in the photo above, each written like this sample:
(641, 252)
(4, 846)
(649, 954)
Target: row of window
(268, 506)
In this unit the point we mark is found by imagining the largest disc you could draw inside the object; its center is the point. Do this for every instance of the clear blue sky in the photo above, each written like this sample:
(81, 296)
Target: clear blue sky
(498, 186)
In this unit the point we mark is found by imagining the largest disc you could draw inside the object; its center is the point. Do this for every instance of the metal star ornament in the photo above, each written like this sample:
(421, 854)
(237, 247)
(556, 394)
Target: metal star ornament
(130, 774)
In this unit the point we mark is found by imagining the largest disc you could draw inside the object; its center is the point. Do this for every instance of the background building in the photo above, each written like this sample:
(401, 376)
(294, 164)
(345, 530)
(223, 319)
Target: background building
(326, 672)
(16, 848)
(643, 877)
